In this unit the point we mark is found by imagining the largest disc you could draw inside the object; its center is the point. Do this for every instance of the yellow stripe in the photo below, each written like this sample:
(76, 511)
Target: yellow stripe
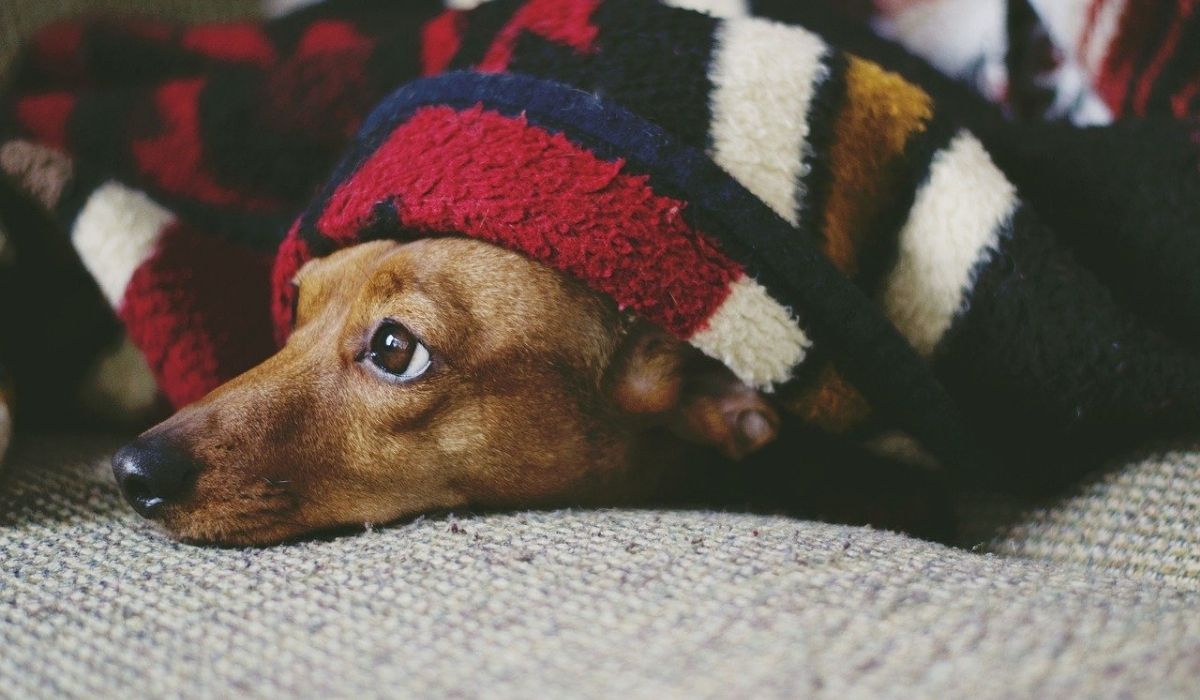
(881, 114)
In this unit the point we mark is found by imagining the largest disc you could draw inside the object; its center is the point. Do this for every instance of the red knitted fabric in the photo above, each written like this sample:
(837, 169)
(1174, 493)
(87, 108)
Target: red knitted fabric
(499, 179)
(198, 311)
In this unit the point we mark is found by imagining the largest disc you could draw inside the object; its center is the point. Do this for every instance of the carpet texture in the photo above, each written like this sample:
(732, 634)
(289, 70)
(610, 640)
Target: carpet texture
(94, 602)
(1142, 519)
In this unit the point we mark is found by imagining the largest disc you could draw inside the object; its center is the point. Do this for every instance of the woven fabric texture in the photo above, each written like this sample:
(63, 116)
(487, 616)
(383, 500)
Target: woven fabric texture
(93, 602)
(1142, 520)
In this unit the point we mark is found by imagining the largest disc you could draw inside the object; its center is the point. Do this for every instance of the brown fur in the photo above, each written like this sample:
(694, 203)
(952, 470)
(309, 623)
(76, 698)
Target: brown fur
(540, 392)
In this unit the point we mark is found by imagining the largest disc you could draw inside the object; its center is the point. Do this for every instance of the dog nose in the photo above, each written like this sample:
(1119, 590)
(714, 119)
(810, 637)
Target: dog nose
(151, 474)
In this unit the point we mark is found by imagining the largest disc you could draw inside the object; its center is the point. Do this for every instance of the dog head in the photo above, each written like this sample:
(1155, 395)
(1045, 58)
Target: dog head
(431, 375)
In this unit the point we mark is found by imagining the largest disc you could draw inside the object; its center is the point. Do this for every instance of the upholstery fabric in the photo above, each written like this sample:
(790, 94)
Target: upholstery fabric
(1142, 519)
(94, 602)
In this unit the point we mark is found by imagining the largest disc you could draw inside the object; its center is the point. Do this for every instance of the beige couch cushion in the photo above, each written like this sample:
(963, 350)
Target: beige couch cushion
(94, 602)
(1141, 519)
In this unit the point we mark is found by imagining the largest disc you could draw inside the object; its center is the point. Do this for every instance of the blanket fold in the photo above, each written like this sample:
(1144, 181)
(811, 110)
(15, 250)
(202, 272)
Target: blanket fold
(873, 244)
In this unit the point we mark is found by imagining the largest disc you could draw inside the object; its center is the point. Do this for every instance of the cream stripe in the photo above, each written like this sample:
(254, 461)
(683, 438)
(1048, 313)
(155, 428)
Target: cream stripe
(120, 384)
(754, 336)
(1108, 24)
(41, 171)
(278, 8)
(953, 35)
(1065, 20)
(717, 8)
(954, 225)
(116, 232)
(764, 77)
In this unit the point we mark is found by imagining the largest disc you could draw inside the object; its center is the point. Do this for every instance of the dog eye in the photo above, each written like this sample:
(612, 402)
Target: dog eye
(396, 351)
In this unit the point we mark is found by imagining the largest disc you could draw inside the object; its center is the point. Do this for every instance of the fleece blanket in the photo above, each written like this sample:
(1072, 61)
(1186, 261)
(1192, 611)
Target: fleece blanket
(834, 219)
(1090, 61)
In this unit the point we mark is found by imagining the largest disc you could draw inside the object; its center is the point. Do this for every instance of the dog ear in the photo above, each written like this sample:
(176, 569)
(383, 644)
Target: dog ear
(660, 379)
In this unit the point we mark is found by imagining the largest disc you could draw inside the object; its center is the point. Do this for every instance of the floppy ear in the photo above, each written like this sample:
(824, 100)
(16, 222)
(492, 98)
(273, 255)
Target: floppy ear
(662, 380)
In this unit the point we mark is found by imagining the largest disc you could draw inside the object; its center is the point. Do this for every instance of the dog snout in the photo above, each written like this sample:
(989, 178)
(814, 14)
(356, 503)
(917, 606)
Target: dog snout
(152, 474)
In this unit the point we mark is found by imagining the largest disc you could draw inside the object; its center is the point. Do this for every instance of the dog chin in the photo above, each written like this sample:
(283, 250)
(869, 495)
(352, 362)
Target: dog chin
(232, 531)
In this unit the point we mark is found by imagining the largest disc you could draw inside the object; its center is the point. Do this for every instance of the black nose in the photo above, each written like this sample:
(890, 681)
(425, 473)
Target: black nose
(152, 473)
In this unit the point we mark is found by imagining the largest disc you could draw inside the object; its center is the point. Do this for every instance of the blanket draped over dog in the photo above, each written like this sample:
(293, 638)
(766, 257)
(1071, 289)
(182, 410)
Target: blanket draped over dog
(829, 216)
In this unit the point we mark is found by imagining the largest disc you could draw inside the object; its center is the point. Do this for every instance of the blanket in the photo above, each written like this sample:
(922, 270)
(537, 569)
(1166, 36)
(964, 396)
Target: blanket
(834, 219)
(1089, 61)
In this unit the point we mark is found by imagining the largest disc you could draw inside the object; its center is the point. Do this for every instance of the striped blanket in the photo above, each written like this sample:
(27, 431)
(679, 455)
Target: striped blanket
(1092, 61)
(831, 217)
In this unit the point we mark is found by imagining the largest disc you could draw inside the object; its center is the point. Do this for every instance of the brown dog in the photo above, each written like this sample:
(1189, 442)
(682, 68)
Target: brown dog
(443, 373)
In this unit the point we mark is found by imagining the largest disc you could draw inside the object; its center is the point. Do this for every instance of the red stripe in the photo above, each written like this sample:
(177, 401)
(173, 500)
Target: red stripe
(57, 52)
(173, 159)
(198, 310)
(45, 117)
(331, 36)
(441, 38)
(1181, 102)
(501, 180)
(1117, 72)
(1166, 51)
(566, 22)
(233, 43)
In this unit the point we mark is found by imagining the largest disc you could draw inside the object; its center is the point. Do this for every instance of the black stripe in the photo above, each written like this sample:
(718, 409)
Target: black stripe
(881, 250)
(251, 151)
(258, 231)
(541, 58)
(483, 24)
(812, 191)
(115, 56)
(1126, 200)
(1162, 17)
(1182, 69)
(100, 127)
(1029, 56)
(651, 59)
(396, 58)
(1043, 354)
(654, 60)
(55, 320)
(85, 180)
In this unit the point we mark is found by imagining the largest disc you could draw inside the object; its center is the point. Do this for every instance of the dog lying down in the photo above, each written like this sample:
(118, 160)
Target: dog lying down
(438, 374)
(634, 235)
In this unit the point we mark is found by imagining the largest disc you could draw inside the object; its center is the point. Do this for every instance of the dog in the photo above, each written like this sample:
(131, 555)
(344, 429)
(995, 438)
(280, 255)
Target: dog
(431, 375)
